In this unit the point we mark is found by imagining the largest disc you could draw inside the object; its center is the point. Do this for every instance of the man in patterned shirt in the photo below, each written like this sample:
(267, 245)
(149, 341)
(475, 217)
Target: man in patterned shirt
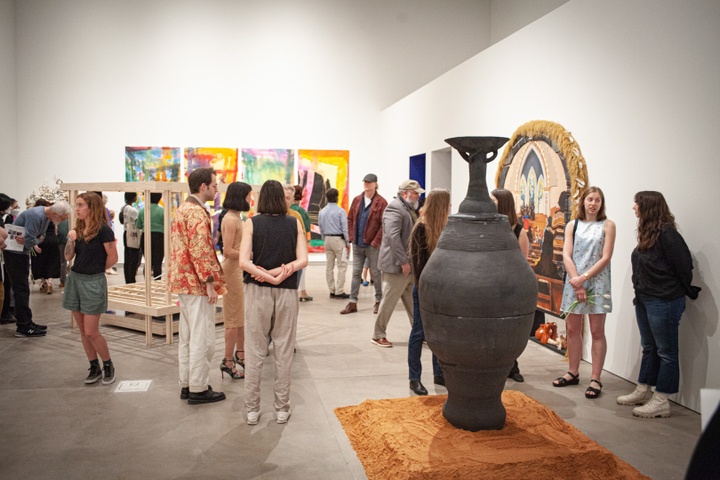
(197, 277)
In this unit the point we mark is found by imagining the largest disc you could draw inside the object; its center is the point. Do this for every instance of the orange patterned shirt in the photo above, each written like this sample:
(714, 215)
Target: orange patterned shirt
(192, 254)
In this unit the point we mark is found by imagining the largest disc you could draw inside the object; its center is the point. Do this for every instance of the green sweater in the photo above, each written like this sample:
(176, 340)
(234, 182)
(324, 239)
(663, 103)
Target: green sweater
(157, 218)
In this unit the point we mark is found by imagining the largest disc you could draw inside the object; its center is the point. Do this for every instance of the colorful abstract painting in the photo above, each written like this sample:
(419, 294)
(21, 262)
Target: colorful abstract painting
(262, 164)
(152, 164)
(223, 160)
(318, 171)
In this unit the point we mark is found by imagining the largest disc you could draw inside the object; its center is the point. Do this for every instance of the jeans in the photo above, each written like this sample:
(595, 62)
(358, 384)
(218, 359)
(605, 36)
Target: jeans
(658, 320)
(417, 335)
(359, 256)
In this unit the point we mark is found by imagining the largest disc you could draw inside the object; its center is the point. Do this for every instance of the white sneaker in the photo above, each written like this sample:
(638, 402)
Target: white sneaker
(658, 406)
(282, 417)
(639, 396)
(253, 418)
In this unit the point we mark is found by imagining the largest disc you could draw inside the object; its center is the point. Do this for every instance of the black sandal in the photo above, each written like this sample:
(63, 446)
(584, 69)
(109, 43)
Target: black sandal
(593, 392)
(564, 382)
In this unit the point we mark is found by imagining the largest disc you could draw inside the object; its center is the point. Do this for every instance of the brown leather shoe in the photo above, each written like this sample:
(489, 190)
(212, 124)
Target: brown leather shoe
(350, 308)
(376, 308)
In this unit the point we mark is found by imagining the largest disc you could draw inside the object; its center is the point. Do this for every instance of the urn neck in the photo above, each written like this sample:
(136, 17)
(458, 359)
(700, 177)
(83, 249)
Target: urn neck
(477, 200)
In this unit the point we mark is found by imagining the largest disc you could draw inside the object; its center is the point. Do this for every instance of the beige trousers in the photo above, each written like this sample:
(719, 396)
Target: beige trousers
(196, 345)
(270, 314)
(395, 286)
(335, 250)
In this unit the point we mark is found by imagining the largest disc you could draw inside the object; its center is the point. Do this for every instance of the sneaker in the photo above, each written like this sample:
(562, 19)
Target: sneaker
(22, 332)
(282, 417)
(109, 376)
(658, 406)
(253, 418)
(95, 373)
(639, 396)
(38, 327)
(381, 342)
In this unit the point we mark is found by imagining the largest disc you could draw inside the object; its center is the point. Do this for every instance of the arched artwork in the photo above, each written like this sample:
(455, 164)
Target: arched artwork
(543, 166)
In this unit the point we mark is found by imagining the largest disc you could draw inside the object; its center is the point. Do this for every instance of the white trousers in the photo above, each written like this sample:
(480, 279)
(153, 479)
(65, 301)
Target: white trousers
(270, 314)
(196, 345)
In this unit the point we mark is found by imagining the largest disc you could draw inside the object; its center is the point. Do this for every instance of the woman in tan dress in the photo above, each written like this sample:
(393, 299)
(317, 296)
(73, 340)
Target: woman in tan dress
(237, 199)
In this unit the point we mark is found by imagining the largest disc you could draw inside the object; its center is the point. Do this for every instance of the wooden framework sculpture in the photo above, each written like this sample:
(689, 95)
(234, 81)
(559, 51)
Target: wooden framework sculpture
(151, 299)
(544, 168)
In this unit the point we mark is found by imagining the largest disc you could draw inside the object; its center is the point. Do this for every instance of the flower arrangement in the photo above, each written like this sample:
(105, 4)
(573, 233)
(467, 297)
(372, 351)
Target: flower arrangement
(51, 194)
(592, 299)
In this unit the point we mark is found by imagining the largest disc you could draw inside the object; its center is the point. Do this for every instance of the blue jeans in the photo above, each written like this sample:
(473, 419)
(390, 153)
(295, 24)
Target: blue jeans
(417, 335)
(658, 320)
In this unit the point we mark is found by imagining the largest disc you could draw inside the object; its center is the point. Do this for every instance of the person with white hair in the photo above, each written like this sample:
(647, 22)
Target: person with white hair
(35, 221)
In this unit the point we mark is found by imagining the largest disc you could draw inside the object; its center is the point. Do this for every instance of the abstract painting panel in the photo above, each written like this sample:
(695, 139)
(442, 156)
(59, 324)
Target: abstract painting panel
(262, 164)
(152, 164)
(318, 171)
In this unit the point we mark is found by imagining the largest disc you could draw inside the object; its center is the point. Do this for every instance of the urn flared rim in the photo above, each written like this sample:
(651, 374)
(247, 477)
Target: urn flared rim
(473, 145)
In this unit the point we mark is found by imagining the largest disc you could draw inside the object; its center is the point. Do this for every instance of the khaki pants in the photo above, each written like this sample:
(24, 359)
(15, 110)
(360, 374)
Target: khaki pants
(270, 314)
(394, 287)
(196, 345)
(335, 250)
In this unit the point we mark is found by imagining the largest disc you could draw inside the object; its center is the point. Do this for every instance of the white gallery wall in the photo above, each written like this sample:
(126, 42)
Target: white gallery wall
(637, 84)
(94, 76)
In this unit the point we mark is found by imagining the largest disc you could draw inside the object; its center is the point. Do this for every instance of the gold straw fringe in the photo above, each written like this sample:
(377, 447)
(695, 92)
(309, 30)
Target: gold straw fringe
(567, 147)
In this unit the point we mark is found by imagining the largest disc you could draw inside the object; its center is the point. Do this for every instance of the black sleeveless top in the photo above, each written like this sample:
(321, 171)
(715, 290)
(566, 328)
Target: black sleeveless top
(517, 230)
(274, 239)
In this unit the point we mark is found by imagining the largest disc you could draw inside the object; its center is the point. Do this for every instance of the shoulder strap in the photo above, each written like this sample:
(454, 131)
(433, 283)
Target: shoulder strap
(575, 229)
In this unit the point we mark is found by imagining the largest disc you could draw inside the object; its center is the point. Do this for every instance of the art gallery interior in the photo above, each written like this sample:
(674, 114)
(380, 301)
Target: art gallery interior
(634, 81)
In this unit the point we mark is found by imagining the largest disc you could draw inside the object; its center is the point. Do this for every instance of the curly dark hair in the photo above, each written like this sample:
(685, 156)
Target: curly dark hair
(653, 214)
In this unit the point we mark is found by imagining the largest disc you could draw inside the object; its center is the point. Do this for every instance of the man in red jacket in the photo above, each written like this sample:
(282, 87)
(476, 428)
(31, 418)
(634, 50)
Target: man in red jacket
(365, 231)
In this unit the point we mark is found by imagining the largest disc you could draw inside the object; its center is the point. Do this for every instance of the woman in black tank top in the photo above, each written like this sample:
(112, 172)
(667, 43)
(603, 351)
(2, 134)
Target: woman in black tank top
(272, 251)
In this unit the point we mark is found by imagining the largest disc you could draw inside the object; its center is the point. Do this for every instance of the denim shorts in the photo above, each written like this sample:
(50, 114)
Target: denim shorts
(86, 294)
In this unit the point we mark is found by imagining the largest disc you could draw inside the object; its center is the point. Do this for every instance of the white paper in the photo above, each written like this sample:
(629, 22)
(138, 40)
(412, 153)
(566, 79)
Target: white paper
(13, 232)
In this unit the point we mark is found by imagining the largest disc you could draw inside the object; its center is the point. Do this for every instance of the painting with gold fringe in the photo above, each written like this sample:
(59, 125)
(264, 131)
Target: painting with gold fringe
(544, 168)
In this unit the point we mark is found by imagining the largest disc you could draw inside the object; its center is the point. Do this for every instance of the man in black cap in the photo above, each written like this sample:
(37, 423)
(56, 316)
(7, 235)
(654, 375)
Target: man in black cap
(365, 231)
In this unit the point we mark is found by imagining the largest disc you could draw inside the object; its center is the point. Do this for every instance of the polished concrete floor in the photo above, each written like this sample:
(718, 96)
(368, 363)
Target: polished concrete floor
(54, 426)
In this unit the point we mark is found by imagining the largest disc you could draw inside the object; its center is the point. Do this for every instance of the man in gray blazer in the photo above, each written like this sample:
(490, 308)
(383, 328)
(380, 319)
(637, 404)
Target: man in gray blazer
(393, 261)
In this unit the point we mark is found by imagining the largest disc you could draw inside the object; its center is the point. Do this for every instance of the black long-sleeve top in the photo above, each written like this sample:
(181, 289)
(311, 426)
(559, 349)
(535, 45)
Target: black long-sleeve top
(665, 270)
(419, 254)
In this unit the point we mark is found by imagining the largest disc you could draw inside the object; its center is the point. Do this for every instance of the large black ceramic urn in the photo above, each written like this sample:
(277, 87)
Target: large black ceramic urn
(477, 298)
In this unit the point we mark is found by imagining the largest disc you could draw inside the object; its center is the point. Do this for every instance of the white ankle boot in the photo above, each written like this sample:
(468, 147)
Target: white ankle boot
(639, 396)
(658, 406)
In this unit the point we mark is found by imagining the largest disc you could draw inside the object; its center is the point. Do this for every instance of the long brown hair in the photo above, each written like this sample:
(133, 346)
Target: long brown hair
(653, 214)
(96, 218)
(434, 216)
(506, 204)
(581, 206)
